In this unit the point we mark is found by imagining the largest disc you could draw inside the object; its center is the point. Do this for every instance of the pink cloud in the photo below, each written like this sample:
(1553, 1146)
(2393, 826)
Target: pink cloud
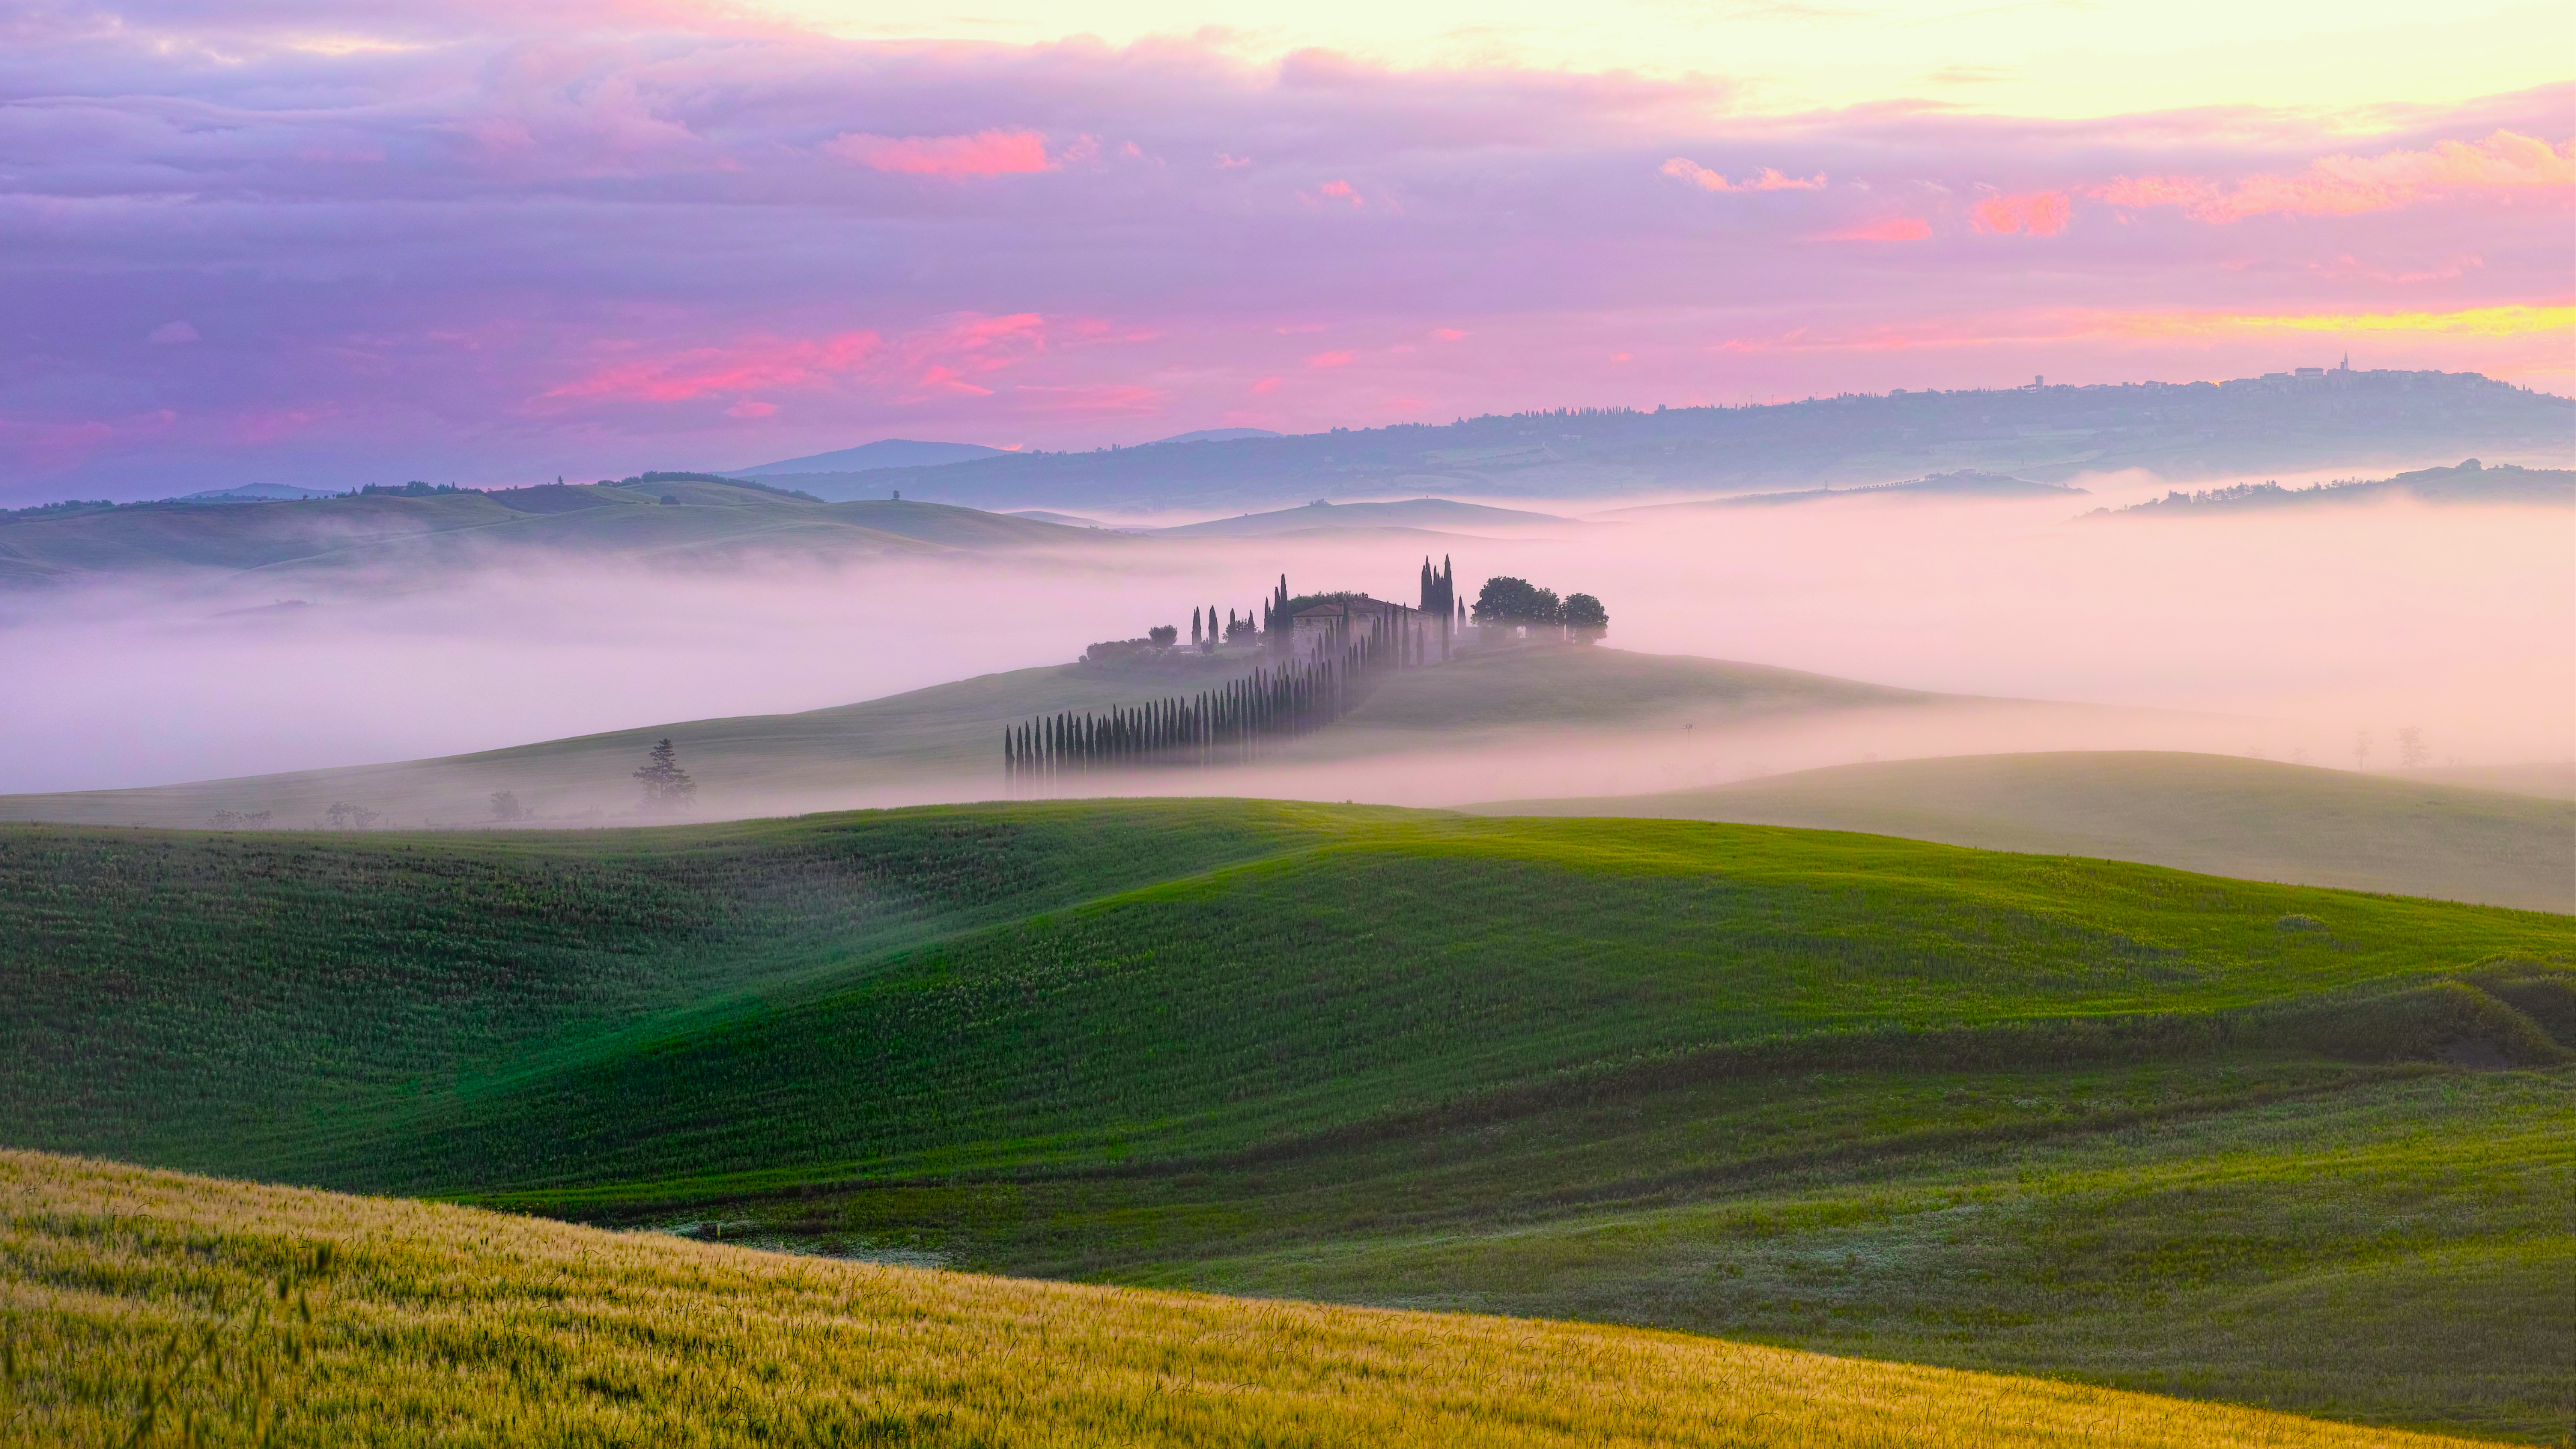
(986, 153)
(1330, 359)
(1341, 191)
(1886, 228)
(758, 362)
(1770, 179)
(1225, 162)
(1264, 386)
(942, 378)
(979, 343)
(2343, 185)
(53, 445)
(1094, 400)
(1447, 334)
(941, 360)
(2041, 213)
(269, 425)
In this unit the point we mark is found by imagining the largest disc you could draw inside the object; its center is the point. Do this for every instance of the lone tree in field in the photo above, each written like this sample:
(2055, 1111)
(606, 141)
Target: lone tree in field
(2411, 749)
(1585, 619)
(506, 806)
(666, 785)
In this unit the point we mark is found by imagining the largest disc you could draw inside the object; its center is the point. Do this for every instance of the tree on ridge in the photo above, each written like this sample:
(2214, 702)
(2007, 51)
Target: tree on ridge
(666, 786)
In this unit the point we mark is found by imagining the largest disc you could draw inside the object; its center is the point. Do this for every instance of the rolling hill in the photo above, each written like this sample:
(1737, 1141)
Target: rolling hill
(2548, 780)
(2198, 430)
(2211, 813)
(2024, 1114)
(943, 742)
(884, 453)
(1436, 514)
(1965, 483)
(2466, 482)
(320, 1319)
(666, 518)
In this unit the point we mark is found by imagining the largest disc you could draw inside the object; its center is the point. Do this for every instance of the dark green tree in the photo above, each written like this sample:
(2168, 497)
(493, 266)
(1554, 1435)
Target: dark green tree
(667, 787)
(1585, 620)
(1506, 600)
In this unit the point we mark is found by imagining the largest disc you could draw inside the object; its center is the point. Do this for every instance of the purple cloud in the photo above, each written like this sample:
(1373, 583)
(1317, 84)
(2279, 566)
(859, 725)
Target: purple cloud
(584, 239)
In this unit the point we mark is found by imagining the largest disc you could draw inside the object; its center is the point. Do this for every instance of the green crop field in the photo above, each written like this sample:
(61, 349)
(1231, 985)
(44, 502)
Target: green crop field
(148, 1308)
(2231, 1140)
(2455, 835)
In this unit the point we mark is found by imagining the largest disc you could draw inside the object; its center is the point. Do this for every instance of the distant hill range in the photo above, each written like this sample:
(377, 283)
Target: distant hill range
(1411, 515)
(682, 518)
(2467, 482)
(871, 457)
(254, 493)
(1965, 483)
(2283, 422)
(832, 476)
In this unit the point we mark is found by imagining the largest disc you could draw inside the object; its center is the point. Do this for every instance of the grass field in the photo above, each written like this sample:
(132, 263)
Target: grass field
(2030, 1114)
(2550, 781)
(149, 1308)
(2212, 813)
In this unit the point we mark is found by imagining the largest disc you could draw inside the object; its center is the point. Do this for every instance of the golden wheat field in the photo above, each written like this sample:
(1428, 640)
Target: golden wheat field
(147, 1307)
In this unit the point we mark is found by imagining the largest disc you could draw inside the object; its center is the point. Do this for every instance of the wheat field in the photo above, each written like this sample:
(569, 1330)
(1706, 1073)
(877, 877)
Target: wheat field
(144, 1307)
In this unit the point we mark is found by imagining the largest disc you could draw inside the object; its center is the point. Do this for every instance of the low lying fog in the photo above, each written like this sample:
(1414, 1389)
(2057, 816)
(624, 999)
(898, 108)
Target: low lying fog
(2300, 627)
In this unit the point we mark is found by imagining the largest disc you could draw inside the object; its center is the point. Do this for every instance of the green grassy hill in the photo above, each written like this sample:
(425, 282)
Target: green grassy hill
(2550, 781)
(1517, 689)
(2213, 813)
(1890, 1099)
(945, 742)
(705, 522)
(149, 1308)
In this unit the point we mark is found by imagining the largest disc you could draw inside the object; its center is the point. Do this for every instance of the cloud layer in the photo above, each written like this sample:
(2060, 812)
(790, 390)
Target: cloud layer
(496, 245)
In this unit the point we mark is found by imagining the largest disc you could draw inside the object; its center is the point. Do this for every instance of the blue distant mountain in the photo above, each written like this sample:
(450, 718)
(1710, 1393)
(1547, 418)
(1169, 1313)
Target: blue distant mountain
(1216, 435)
(867, 457)
(256, 493)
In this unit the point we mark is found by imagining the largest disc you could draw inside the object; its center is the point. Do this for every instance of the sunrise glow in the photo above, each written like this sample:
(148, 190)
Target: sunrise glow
(508, 246)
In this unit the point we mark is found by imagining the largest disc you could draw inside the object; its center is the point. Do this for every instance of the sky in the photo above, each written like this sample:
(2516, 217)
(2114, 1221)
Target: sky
(331, 244)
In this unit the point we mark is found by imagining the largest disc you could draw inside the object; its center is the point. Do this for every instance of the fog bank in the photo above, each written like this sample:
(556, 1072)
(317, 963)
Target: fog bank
(2296, 631)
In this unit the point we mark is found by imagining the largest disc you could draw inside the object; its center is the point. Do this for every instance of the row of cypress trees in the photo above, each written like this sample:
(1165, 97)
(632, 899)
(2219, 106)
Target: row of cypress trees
(1222, 726)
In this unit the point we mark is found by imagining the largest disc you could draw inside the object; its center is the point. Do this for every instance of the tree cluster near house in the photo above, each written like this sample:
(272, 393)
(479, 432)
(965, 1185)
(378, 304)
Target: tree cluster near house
(1225, 725)
(1512, 603)
(1330, 648)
